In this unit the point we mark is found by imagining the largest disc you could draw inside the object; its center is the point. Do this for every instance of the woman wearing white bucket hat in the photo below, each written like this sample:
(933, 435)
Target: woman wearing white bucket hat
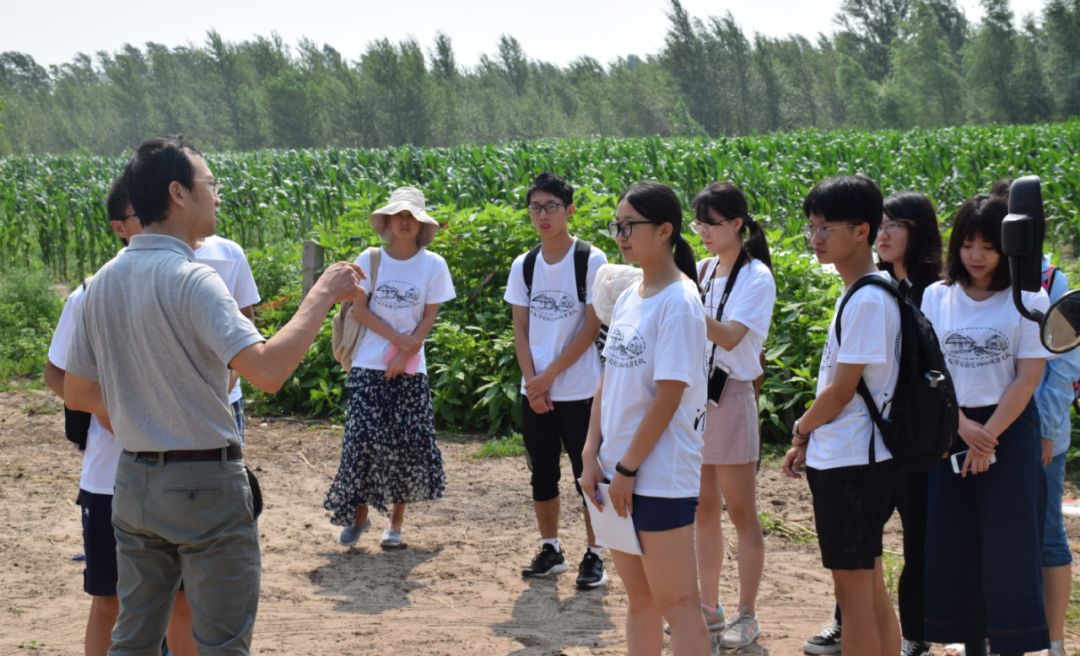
(389, 457)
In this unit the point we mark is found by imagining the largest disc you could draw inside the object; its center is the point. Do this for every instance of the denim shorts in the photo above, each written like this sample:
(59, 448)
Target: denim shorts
(662, 513)
(1055, 548)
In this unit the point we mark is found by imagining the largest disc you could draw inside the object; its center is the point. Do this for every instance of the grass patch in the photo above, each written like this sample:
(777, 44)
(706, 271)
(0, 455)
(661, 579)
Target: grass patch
(892, 564)
(508, 446)
(776, 525)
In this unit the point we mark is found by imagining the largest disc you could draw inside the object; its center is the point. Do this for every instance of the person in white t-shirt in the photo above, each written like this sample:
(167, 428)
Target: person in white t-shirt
(738, 283)
(227, 258)
(849, 468)
(554, 331)
(983, 574)
(644, 434)
(389, 457)
(99, 466)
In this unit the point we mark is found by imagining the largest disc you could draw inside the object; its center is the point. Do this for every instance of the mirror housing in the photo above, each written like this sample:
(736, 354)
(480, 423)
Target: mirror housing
(1022, 233)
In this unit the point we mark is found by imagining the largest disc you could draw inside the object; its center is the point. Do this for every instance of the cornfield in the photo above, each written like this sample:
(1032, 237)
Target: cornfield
(52, 211)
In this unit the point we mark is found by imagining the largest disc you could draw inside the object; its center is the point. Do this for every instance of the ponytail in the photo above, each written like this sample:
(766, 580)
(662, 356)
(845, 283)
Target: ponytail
(684, 257)
(755, 244)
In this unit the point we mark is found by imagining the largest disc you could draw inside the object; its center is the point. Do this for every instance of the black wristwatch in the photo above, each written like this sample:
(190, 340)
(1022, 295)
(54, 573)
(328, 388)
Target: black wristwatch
(629, 473)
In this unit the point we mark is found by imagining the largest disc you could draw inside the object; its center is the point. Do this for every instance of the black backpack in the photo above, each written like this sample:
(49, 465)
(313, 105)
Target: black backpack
(582, 250)
(924, 417)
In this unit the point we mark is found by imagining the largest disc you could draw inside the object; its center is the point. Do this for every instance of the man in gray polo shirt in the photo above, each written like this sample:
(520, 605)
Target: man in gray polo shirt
(151, 355)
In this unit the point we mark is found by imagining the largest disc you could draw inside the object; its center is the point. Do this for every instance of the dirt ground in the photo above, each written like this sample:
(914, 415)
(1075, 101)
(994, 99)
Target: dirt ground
(456, 589)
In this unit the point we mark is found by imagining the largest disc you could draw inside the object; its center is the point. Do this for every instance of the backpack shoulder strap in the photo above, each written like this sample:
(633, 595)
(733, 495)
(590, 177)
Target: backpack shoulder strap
(876, 281)
(374, 255)
(1048, 277)
(527, 268)
(863, 390)
(582, 251)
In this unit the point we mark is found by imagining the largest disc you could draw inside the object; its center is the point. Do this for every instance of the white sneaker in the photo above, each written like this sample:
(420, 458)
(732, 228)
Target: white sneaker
(391, 540)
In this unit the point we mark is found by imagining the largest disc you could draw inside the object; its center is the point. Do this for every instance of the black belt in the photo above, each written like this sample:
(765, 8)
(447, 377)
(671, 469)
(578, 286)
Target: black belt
(231, 452)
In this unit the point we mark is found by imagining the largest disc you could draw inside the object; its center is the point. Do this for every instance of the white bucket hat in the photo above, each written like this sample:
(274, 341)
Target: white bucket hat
(408, 199)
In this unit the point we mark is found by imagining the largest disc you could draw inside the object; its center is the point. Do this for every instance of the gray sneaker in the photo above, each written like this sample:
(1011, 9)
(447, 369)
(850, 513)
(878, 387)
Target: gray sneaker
(827, 640)
(350, 534)
(742, 632)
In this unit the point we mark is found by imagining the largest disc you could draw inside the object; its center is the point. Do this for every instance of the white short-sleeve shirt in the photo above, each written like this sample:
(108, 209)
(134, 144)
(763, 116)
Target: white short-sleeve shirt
(751, 304)
(982, 340)
(556, 316)
(870, 335)
(649, 340)
(227, 258)
(102, 452)
(403, 288)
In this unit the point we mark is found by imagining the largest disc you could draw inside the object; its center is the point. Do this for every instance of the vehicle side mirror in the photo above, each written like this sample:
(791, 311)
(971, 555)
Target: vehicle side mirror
(1060, 329)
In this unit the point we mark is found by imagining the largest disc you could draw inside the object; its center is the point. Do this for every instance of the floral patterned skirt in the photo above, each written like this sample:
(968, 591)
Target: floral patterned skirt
(389, 453)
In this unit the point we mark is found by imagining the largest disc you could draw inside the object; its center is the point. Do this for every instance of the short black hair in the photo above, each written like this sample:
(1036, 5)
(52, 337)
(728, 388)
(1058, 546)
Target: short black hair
(553, 185)
(116, 203)
(981, 217)
(853, 199)
(157, 164)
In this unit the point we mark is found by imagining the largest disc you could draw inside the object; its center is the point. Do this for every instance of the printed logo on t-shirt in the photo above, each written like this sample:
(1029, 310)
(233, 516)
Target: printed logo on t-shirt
(397, 294)
(552, 305)
(625, 347)
(975, 347)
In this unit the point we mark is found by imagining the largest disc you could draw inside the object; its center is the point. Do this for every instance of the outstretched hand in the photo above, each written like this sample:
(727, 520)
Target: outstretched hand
(341, 282)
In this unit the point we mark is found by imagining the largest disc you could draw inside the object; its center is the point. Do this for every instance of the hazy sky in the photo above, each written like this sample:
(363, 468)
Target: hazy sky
(53, 31)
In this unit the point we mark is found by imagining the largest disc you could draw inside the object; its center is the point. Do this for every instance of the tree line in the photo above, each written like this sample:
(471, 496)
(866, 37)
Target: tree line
(889, 64)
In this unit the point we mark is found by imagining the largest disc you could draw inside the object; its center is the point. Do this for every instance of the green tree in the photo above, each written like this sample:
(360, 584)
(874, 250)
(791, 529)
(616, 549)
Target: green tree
(989, 57)
(925, 80)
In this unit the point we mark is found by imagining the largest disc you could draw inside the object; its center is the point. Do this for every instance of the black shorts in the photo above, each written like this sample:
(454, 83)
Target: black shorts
(851, 507)
(99, 543)
(546, 436)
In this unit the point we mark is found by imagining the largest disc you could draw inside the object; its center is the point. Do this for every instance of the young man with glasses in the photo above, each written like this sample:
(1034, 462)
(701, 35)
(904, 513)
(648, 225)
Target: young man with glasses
(849, 468)
(550, 290)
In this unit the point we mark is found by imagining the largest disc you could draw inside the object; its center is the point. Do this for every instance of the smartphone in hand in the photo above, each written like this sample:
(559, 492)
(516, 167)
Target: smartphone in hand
(957, 460)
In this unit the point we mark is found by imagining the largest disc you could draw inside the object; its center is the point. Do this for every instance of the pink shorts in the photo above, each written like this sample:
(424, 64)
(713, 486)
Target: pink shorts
(732, 434)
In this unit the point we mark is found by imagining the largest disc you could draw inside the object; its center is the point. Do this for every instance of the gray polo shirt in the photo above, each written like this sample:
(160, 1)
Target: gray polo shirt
(157, 332)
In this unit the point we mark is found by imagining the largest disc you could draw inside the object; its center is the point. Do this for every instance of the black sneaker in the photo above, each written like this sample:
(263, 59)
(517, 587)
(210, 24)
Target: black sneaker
(547, 563)
(590, 573)
(827, 641)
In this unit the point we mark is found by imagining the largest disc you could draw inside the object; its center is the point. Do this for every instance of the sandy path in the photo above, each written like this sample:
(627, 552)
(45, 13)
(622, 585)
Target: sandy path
(455, 590)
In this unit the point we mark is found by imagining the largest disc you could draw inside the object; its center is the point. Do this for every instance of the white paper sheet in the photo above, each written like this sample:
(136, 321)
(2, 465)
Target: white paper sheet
(612, 531)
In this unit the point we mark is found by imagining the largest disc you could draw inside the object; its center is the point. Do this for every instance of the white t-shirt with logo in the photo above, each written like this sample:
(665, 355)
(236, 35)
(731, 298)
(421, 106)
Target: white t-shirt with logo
(227, 258)
(751, 304)
(403, 288)
(556, 316)
(102, 453)
(649, 340)
(982, 340)
(870, 331)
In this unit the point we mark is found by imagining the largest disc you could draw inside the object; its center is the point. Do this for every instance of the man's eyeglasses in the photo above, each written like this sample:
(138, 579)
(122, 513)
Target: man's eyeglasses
(622, 229)
(210, 182)
(550, 207)
(822, 232)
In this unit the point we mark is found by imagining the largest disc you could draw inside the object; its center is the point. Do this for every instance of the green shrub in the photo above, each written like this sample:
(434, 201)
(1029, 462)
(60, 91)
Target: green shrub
(29, 310)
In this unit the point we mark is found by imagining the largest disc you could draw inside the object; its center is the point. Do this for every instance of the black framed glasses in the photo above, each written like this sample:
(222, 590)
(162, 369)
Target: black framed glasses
(535, 209)
(622, 229)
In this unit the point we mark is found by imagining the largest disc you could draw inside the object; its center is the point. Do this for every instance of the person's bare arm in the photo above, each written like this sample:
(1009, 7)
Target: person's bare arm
(725, 334)
(658, 415)
(269, 364)
(539, 384)
(520, 313)
(396, 366)
(408, 344)
(824, 409)
(85, 394)
(54, 379)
